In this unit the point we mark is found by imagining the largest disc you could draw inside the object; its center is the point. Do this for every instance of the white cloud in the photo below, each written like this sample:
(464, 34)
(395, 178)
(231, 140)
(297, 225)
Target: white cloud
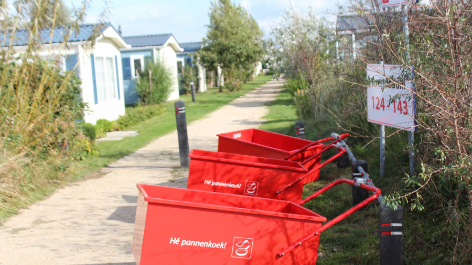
(246, 4)
(186, 19)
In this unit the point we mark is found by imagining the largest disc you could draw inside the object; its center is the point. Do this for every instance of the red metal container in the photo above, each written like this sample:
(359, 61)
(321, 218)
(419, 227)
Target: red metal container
(245, 175)
(255, 142)
(262, 143)
(180, 226)
(250, 175)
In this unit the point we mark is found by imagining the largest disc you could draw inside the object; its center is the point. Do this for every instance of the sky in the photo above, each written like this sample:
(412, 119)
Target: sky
(186, 19)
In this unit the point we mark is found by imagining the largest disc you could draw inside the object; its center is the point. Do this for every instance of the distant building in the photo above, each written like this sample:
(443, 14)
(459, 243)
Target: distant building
(99, 69)
(351, 28)
(148, 47)
(187, 57)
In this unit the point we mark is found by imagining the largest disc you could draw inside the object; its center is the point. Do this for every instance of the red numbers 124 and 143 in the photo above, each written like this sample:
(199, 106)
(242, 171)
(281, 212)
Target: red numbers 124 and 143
(398, 105)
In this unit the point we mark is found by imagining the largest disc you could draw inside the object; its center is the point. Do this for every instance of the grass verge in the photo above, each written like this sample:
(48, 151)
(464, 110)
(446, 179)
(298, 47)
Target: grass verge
(354, 240)
(60, 173)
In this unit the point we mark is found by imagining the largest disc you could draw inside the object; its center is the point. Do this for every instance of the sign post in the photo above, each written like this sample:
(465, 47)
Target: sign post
(404, 5)
(411, 136)
(382, 147)
(403, 117)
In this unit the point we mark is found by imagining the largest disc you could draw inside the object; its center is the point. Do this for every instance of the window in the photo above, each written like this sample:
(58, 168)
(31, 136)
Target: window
(105, 77)
(137, 64)
(179, 67)
(54, 60)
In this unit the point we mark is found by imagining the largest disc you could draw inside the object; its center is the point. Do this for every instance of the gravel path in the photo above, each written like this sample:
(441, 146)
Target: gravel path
(91, 222)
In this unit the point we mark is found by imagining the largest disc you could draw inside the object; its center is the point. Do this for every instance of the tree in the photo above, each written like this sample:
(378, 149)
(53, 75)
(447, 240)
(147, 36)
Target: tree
(51, 12)
(154, 83)
(300, 45)
(233, 41)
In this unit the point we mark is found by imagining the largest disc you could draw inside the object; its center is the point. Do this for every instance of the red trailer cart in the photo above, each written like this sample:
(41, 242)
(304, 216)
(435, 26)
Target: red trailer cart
(255, 142)
(250, 175)
(181, 226)
(262, 143)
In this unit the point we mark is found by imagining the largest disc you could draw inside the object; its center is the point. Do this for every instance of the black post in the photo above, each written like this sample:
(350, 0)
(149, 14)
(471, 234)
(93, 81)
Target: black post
(181, 120)
(300, 129)
(193, 91)
(391, 235)
(359, 194)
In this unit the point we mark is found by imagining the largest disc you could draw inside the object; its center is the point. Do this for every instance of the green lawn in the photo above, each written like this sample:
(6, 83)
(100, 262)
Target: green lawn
(158, 126)
(206, 103)
(355, 239)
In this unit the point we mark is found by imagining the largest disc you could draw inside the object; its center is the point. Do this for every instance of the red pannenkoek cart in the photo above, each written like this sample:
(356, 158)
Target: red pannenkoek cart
(180, 226)
(250, 175)
(262, 143)
(255, 142)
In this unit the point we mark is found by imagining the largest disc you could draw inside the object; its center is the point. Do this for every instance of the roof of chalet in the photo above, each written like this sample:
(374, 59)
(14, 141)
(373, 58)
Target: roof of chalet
(351, 23)
(85, 33)
(148, 40)
(191, 46)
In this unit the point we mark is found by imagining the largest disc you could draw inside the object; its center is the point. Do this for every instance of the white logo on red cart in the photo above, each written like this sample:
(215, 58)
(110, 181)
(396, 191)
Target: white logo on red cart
(251, 187)
(242, 247)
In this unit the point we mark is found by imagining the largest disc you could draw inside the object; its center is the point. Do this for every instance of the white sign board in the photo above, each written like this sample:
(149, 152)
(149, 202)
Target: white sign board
(390, 105)
(389, 3)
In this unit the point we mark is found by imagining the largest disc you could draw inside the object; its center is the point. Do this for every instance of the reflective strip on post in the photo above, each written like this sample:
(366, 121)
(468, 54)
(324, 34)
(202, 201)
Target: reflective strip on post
(300, 129)
(180, 110)
(392, 233)
(392, 224)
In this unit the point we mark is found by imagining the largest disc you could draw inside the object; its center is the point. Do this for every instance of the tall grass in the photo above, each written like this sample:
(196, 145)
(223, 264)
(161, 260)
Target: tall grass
(39, 103)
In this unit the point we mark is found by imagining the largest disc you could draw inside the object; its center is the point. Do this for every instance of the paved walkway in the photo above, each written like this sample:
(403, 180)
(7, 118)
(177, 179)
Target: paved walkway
(91, 222)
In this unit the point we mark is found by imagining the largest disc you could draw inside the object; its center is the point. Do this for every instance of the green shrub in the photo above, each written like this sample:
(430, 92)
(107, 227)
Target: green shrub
(137, 114)
(296, 84)
(229, 86)
(81, 148)
(88, 130)
(154, 83)
(38, 102)
(189, 74)
(103, 126)
(270, 72)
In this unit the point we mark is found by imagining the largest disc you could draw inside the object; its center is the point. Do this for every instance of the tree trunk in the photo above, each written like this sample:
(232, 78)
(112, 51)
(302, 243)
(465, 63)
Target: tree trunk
(218, 77)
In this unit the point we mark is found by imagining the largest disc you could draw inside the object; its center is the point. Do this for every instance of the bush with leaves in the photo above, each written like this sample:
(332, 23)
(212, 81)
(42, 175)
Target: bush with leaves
(298, 83)
(154, 83)
(88, 130)
(189, 74)
(102, 126)
(137, 114)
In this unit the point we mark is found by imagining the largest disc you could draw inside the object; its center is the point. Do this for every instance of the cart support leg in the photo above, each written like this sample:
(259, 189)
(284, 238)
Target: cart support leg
(181, 120)
(391, 235)
(300, 129)
(358, 194)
